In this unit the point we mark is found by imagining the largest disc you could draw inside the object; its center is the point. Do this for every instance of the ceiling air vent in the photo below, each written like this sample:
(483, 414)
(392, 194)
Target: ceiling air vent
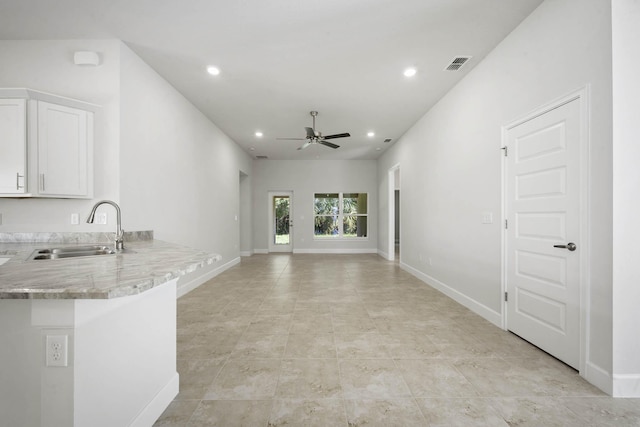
(457, 63)
(261, 157)
(388, 140)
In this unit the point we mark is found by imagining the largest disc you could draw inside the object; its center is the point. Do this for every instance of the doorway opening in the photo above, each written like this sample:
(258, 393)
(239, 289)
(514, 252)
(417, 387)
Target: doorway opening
(281, 221)
(244, 216)
(394, 244)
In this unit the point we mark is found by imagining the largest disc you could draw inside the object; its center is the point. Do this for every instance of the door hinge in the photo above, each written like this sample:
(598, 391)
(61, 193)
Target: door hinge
(506, 296)
(506, 224)
(506, 150)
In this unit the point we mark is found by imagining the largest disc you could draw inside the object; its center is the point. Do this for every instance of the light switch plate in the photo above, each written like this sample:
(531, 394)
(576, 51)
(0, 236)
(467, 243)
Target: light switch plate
(75, 219)
(487, 218)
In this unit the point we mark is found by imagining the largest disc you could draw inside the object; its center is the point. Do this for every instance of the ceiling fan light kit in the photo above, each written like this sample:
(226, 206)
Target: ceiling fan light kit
(315, 137)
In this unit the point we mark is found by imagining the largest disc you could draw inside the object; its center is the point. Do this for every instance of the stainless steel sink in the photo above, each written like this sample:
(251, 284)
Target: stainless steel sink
(71, 252)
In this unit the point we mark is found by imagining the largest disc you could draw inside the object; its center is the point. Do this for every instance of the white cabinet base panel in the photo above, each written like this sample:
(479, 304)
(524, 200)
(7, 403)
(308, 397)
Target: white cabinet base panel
(121, 366)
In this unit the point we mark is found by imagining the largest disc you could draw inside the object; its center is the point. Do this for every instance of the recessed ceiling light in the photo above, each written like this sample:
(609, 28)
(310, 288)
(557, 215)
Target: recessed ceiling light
(371, 134)
(410, 72)
(378, 149)
(252, 148)
(259, 134)
(214, 71)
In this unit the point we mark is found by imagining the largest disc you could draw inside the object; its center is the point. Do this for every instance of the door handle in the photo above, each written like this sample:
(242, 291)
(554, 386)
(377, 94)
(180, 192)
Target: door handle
(571, 246)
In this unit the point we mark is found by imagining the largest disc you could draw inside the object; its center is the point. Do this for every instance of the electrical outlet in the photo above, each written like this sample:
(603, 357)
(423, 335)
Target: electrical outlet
(101, 218)
(75, 219)
(56, 352)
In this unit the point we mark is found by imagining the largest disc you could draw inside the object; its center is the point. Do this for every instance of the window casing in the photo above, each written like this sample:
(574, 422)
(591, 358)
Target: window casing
(340, 215)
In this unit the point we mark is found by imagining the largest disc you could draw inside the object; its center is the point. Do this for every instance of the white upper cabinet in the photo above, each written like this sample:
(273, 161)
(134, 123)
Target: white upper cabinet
(46, 145)
(13, 149)
(63, 152)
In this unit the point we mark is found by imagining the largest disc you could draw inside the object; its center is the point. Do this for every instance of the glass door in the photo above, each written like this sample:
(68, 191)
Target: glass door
(281, 222)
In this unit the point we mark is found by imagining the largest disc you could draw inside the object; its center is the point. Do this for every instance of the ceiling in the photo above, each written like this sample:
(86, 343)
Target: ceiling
(281, 59)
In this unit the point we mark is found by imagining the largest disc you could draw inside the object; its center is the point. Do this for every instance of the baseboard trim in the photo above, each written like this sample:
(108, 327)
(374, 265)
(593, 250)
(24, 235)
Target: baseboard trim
(626, 385)
(261, 251)
(335, 251)
(185, 288)
(246, 253)
(480, 309)
(384, 255)
(160, 402)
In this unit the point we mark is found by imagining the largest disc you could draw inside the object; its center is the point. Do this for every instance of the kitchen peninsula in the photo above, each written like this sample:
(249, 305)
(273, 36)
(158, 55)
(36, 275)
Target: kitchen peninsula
(90, 340)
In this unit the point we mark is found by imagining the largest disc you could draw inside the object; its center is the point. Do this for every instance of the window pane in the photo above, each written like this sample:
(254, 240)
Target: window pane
(355, 203)
(354, 226)
(326, 226)
(281, 218)
(326, 204)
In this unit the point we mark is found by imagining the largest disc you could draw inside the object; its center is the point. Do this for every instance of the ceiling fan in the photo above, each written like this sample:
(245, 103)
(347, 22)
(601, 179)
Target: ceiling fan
(315, 137)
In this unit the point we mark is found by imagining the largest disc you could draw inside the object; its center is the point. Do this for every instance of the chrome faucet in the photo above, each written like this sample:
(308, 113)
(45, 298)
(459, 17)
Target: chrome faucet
(119, 232)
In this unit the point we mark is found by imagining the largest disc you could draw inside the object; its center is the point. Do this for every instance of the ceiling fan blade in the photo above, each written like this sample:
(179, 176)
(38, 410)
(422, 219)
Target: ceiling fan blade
(337, 135)
(292, 139)
(329, 144)
(305, 145)
(310, 132)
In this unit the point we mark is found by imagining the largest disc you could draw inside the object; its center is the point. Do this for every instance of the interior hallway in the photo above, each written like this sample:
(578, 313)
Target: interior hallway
(353, 340)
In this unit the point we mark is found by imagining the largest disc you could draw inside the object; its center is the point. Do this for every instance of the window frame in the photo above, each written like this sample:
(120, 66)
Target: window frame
(340, 217)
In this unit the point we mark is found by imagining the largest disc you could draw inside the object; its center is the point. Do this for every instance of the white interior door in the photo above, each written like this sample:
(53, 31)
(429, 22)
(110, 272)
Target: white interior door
(281, 221)
(542, 197)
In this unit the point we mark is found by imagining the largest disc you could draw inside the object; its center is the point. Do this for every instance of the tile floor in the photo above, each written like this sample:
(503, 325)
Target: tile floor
(352, 340)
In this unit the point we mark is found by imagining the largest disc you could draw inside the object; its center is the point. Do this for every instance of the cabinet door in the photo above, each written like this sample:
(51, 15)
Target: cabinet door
(13, 143)
(63, 150)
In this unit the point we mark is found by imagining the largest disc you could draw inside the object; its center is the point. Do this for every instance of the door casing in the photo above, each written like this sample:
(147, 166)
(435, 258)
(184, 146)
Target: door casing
(391, 244)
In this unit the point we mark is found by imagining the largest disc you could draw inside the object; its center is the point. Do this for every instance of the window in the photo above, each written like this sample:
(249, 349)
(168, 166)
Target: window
(340, 215)
(354, 221)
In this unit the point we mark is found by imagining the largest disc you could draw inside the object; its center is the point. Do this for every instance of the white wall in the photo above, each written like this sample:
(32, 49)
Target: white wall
(450, 160)
(626, 181)
(48, 66)
(304, 178)
(170, 169)
(179, 172)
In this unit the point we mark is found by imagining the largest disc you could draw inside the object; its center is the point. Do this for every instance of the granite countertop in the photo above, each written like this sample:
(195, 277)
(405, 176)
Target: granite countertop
(143, 265)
